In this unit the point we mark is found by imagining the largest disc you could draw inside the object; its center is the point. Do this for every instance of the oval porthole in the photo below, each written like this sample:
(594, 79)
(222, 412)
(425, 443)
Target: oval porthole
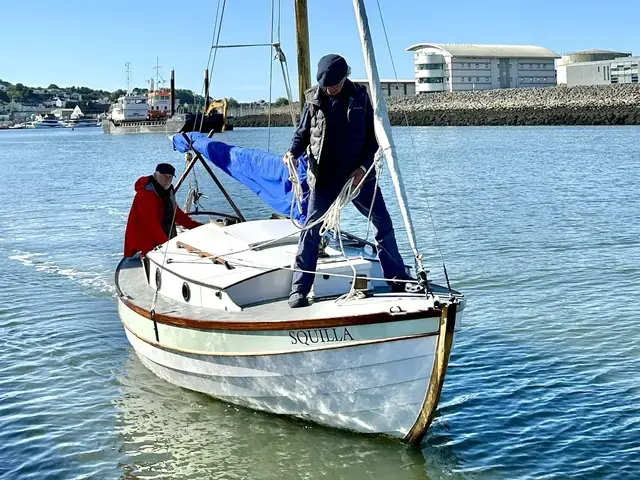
(186, 292)
(158, 279)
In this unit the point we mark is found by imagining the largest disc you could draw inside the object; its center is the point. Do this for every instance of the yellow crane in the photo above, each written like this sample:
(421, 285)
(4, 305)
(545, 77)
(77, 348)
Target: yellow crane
(214, 105)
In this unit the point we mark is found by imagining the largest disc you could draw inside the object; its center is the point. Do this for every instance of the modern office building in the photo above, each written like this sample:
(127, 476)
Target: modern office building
(452, 67)
(597, 67)
(585, 56)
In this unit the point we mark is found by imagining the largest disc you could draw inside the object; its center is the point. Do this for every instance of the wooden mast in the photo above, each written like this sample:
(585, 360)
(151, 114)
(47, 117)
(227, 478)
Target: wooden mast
(304, 62)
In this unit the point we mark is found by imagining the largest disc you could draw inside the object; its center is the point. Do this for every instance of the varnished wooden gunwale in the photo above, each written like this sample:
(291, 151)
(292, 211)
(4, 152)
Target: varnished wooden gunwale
(440, 364)
(302, 324)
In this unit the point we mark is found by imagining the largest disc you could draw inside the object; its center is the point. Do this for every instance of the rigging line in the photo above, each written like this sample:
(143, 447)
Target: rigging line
(239, 262)
(242, 45)
(213, 37)
(378, 162)
(215, 54)
(287, 81)
(413, 147)
(270, 79)
(279, 18)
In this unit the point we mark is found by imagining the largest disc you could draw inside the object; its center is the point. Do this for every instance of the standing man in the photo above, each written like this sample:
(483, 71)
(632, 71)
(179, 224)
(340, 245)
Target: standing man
(154, 213)
(337, 129)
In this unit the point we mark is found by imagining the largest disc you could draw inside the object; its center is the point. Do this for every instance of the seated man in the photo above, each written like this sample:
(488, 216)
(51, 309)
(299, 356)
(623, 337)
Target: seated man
(337, 130)
(154, 213)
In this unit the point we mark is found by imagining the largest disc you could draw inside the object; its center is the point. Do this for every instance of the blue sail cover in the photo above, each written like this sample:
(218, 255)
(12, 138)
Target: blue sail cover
(263, 172)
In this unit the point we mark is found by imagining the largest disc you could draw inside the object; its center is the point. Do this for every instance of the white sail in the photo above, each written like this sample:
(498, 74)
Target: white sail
(381, 119)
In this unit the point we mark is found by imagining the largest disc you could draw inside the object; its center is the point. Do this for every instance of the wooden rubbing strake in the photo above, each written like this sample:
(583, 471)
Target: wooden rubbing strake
(203, 254)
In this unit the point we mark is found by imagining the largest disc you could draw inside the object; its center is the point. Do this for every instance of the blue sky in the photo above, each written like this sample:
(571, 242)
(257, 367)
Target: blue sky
(86, 43)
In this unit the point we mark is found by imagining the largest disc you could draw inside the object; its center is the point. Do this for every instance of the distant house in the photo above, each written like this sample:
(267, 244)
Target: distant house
(60, 103)
(77, 113)
(63, 112)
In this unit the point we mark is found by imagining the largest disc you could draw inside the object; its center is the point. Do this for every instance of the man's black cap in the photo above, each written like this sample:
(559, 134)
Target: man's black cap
(332, 69)
(166, 169)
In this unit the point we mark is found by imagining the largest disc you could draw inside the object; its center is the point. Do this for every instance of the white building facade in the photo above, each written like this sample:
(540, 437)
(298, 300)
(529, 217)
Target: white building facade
(392, 88)
(587, 57)
(604, 72)
(449, 68)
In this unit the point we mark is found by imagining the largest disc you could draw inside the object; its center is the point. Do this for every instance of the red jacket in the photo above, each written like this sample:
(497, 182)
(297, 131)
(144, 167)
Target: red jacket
(144, 226)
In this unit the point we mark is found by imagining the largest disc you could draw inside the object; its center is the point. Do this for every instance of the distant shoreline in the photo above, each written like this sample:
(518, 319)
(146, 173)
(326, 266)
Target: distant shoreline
(592, 105)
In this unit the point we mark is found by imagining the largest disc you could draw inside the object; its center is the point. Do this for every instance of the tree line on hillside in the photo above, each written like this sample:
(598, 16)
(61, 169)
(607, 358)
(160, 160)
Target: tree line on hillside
(23, 94)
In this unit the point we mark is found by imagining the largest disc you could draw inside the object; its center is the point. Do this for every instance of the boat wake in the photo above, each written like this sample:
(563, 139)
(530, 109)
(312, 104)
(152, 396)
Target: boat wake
(100, 282)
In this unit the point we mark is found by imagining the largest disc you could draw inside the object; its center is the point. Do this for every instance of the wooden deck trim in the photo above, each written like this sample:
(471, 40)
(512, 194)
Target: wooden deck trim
(302, 324)
(203, 254)
(440, 363)
(268, 354)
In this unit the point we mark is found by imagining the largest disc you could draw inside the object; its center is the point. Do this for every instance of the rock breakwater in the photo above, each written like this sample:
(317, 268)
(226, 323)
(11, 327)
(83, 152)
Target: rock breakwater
(586, 105)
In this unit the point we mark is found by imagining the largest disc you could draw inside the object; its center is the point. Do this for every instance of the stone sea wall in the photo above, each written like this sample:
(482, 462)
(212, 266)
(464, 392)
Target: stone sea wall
(589, 105)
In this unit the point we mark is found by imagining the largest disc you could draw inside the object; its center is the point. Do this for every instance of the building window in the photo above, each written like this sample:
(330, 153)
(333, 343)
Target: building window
(469, 78)
(531, 79)
(477, 65)
(468, 65)
(537, 65)
(430, 66)
(488, 79)
(531, 65)
(598, 69)
(429, 80)
(477, 79)
(486, 65)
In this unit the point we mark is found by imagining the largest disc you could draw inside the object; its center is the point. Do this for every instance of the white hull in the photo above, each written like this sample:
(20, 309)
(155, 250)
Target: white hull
(84, 125)
(373, 364)
(47, 126)
(168, 126)
(377, 386)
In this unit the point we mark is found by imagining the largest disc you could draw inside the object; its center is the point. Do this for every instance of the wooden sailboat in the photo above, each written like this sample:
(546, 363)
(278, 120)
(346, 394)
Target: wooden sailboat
(208, 311)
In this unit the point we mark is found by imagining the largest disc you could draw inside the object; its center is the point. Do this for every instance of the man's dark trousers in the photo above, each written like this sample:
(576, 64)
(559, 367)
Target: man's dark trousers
(319, 202)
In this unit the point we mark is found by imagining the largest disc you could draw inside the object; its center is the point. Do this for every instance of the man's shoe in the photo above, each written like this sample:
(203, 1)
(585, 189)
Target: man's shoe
(297, 300)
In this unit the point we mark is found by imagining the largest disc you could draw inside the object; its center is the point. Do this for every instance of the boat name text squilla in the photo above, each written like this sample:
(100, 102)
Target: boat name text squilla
(323, 335)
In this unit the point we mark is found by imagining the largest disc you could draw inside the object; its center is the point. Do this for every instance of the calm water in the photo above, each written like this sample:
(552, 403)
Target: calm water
(539, 226)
